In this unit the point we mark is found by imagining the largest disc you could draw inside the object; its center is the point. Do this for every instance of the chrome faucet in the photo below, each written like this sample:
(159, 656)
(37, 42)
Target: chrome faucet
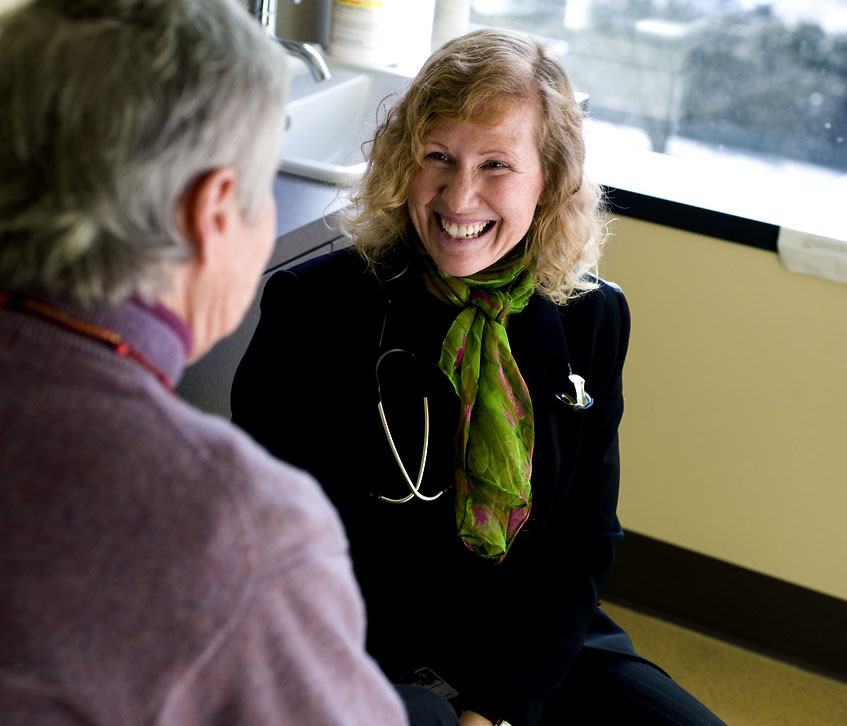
(265, 12)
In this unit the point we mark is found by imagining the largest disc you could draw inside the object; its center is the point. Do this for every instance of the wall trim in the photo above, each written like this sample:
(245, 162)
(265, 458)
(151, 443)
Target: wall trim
(762, 613)
(692, 219)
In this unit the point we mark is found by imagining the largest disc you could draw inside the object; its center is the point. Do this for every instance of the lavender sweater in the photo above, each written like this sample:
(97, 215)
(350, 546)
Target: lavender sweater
(156, 566)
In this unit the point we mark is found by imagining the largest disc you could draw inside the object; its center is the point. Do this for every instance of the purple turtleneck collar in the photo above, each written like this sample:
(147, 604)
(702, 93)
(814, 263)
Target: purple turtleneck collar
(154, 331)
(171, 319)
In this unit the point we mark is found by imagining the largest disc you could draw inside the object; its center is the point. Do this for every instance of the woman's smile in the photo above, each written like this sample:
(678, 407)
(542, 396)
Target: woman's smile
(475, 195)
(464, 230)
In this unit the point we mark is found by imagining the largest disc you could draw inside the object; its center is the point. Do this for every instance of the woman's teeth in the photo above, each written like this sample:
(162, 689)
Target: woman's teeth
(464, 231)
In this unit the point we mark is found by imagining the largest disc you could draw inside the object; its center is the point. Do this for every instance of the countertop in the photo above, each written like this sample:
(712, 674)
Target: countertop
(305, 216)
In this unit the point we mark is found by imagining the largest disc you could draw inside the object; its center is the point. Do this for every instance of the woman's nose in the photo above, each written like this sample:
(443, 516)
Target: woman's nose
(460, 190)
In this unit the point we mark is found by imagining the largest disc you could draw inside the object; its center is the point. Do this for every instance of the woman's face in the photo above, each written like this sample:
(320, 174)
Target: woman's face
(474, 197)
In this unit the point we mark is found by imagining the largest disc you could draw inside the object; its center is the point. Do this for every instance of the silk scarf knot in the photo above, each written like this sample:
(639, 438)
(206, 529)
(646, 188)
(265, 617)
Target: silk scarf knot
(495, 438)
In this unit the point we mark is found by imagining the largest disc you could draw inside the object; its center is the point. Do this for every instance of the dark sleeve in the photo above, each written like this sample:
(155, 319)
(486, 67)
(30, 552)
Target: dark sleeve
(554, 586)
(303, 380)
(270, 397)
(277, 388)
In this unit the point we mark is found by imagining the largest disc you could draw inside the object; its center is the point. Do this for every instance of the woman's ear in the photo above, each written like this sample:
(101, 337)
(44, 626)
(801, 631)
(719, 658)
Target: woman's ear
(204, 211)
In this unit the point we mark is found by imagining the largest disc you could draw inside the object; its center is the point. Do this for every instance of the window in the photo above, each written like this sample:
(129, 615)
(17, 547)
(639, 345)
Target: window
(739, 105)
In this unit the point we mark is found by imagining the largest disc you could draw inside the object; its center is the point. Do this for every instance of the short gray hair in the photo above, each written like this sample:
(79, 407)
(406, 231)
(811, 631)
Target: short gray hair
(111, 110)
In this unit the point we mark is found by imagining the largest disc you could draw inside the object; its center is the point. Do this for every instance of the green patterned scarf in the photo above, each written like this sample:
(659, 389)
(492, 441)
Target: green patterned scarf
(496, 430)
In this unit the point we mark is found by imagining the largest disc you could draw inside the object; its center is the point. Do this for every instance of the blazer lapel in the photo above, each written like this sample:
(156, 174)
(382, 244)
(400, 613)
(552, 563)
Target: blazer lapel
(540, 347)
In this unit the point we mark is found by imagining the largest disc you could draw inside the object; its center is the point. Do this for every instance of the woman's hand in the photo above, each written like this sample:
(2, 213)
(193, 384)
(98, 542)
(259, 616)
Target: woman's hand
(472, 718)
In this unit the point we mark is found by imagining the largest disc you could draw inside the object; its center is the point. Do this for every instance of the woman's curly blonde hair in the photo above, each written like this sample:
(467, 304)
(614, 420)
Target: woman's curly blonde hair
(477, 77)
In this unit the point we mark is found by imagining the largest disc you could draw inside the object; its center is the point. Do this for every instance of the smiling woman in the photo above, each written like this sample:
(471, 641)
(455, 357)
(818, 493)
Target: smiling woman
(565, 234)
(476, 233)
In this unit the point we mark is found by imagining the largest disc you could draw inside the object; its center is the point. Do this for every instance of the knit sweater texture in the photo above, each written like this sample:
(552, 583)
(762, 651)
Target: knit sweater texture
(156, 565)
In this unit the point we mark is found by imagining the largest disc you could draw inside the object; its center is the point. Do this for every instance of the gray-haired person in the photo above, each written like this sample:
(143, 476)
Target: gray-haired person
(156, 566)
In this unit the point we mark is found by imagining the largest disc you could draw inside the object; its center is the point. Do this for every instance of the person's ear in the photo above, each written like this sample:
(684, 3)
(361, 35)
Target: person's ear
(204, 214)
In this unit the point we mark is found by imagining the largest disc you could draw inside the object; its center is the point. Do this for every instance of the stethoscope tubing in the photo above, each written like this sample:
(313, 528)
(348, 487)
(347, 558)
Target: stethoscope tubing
(414, 487)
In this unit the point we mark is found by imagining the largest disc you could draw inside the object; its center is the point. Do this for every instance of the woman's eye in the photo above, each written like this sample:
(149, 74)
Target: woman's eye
(437, 156)
(495, 165)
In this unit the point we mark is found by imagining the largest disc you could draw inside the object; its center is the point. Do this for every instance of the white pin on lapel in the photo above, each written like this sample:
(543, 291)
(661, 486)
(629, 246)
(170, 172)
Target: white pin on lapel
(581, 399)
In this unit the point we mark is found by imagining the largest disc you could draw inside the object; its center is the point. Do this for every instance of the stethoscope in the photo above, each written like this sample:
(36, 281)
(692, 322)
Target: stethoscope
(580, 401)
(414, 486)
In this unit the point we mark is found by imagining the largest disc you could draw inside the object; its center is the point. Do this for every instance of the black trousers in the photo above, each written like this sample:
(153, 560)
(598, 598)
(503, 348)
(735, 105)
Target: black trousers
(601, 688)
(604, 687)
(425, 708)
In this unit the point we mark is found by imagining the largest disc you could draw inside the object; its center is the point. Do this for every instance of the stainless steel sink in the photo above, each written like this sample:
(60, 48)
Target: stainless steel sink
(328, 122)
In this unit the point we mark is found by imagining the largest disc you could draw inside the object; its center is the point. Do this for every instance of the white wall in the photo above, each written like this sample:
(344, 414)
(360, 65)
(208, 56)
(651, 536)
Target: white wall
(734, 439)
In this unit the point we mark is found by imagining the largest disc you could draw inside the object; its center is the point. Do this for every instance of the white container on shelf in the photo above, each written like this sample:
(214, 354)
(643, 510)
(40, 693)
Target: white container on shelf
(450, 20)
(381, 32)
(363, 31)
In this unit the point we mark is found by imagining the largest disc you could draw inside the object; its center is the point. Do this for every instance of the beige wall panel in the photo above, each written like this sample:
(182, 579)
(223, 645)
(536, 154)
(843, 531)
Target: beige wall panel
(734, 440)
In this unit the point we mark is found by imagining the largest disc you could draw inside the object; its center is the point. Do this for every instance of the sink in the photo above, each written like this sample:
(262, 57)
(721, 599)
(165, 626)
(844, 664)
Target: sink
(328, 122)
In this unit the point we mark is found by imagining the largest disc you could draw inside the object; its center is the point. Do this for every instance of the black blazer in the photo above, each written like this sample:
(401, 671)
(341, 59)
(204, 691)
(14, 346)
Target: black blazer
(503, 635)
